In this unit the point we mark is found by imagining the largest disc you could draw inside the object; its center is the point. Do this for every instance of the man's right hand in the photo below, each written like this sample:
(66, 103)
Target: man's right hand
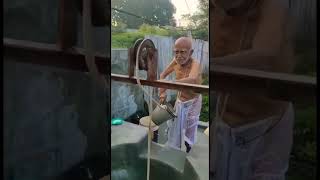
(163, 97)
(162, 91)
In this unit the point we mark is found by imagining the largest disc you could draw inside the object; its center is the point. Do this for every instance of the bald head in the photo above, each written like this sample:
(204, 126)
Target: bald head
(183, 50)
(184, 42)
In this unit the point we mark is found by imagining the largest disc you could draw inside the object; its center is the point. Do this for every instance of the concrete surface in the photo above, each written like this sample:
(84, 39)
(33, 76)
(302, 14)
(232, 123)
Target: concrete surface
(128, 133)
(199, 154)
(130, 140)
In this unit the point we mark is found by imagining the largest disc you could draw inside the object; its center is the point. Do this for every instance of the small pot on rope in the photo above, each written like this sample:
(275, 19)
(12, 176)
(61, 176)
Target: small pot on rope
(145, 121)
(162, 114)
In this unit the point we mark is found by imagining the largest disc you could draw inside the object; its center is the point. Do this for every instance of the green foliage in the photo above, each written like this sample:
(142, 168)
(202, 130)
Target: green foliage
(122, 39)
(158, 12)
(201, 33)
(177, 32)
(118, 27)
(199, 21)
(204, 115)
(125, 40)
(303, 155)
(306, 62)
(305, 133)
(306, 56)
(148, 30)
(205, 79)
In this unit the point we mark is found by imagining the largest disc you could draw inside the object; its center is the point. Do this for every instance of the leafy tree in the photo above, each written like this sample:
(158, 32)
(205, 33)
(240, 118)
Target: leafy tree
(199, 21)
(118, 27)
(155, 12)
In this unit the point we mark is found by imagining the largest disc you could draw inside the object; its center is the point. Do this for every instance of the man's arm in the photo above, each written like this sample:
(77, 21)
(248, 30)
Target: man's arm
(168, 70)
(193, 77)
(163, 75)
(266, 44)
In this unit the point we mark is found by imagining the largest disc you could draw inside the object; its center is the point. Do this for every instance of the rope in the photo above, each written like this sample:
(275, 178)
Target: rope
(138, 78)
(151, 98)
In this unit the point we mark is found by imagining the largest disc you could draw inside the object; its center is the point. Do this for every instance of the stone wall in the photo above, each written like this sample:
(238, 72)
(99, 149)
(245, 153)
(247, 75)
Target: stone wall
(126, 99)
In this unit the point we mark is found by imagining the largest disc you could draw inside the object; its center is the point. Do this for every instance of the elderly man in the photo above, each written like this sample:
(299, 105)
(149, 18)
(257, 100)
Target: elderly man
(251, 136)
(188, 104)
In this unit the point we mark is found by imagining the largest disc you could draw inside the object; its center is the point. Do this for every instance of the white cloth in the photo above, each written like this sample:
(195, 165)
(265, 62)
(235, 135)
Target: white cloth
(265, 158)
(184, 127)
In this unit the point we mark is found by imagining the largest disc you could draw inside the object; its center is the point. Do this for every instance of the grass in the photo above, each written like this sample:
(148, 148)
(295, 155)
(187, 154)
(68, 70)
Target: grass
(204, 115)
(303, 156)
(125, 40)
(303, 160)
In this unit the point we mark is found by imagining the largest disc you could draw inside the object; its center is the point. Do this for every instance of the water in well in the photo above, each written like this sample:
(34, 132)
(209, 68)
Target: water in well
(138, 171)
(127, 164)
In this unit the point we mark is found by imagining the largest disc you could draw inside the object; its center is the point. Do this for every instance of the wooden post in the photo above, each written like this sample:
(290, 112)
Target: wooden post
(152, 64)
(67, 24)
(131, 59)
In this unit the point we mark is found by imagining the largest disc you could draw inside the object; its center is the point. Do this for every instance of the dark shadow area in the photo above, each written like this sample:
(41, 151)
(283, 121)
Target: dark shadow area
(240, 34)
(56, 121)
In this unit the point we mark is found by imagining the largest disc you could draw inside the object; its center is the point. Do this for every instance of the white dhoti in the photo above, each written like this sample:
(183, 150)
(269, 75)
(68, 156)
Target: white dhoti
(184, 127)
(249, 152)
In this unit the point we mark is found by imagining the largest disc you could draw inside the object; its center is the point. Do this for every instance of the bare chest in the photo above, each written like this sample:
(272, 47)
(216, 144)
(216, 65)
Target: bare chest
(182, 72)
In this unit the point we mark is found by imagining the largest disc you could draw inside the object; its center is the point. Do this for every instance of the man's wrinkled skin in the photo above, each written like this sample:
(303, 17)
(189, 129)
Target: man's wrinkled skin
(187, 69)
(266, 46)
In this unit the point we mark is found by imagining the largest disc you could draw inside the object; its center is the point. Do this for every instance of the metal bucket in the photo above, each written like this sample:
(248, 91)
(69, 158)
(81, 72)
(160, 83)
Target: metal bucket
(161, 115)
